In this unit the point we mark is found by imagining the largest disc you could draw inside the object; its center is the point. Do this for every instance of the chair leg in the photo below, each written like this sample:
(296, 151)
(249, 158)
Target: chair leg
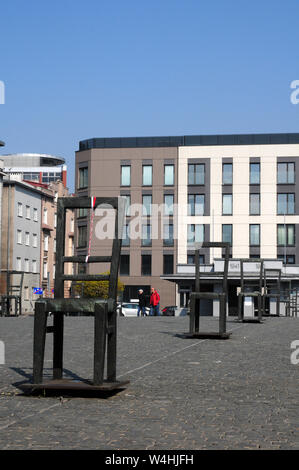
(58, 324)
(222, 315)
(100, 330)
(40, 324)
(192, 314)
(240, 305)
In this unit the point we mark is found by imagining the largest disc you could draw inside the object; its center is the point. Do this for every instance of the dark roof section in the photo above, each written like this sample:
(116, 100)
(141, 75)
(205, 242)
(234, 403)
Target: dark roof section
(188, 140)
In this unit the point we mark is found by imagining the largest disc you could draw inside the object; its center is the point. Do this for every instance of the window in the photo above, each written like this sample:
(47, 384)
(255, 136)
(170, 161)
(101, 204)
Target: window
(72, 225)
(34, 266)
(124, 268)
(54, 245)
(168, 234)
(54, 271)
(227, 173)
(285, 173)
(286, 203)
(19, 237)
(227, 204)
(45, 270)
(287, 259)
(27, 212)
(56, 196)
(82, 236)
(35, 215)
(168, 175)
(126, 235)
(82, 212)
(34, 240)
(146, 235)
(285, 235)
(46, 242)
(26, 293)
(19, 264)
(146, 265)
(27, 239)
(227, 233)
(168, 203)
(147, 204)
(55, 220)
(195, 233)
(196, 173)
(125, 175)
(254, 235)
(168, 264)
(191, 259)
(26, 265)
(254, 173)
(254, 204)
(196, 204)
(83, 178)
(128, 204)
(45, 216)
(147, 175)
(20, 209)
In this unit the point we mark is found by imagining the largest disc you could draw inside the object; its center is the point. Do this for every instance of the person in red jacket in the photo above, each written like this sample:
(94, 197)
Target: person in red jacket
(155, 302)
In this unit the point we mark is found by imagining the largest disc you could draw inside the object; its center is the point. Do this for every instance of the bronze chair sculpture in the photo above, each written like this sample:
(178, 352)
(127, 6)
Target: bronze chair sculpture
(195, 297)
(104, 310)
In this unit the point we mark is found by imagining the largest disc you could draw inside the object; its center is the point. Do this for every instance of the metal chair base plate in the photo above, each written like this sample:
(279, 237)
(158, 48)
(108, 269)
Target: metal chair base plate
(207, 335)
(249, 320)
(82, 385)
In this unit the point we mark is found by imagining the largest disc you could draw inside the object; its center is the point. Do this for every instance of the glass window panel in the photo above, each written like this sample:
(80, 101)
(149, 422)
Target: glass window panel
(168, 201)
(227, 173)
(227, 204)
(227, 233)
(126, 175)
(146, 265)
(126, 235)
(169, 174)
(254, 235)
(167, 264)
(254, 173)
(147, 175)
(168, 234)
(254, 204)
(291, 234)
(146, 235)
(190, 174)
(147, 205)
(200, 174)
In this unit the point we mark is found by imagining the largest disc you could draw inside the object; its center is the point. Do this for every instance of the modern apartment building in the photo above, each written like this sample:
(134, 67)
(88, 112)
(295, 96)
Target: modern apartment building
(40, 168)
(242, 189)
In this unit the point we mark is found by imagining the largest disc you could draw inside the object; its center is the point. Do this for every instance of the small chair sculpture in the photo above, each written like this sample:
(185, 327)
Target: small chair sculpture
(248, 290)
(14, 293)
(272, 281)
(195, 297)
(104, 310)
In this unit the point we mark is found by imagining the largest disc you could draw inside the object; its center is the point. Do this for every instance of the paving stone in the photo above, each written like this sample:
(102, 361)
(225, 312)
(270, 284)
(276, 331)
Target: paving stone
(241, 393)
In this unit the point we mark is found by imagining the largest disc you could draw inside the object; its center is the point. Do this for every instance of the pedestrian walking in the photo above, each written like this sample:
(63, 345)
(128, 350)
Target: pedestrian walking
(142, 303)
(155, 303)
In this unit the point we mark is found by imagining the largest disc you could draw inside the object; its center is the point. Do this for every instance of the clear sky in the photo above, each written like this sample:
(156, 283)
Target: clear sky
(114, 68)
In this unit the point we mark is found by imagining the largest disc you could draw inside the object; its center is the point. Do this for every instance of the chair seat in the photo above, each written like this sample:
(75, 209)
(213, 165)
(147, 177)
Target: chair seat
(207, 295)
(76, 305)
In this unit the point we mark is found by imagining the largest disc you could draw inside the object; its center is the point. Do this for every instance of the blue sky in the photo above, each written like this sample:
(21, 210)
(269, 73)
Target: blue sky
(80, 69)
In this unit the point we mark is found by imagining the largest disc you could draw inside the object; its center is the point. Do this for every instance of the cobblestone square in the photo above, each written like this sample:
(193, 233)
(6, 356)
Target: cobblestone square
(240, 393)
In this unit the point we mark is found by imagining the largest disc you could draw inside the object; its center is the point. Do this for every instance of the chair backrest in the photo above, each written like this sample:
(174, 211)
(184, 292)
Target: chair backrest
(272, 278)
(223, 274)
(64, 203)
(259, 265)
